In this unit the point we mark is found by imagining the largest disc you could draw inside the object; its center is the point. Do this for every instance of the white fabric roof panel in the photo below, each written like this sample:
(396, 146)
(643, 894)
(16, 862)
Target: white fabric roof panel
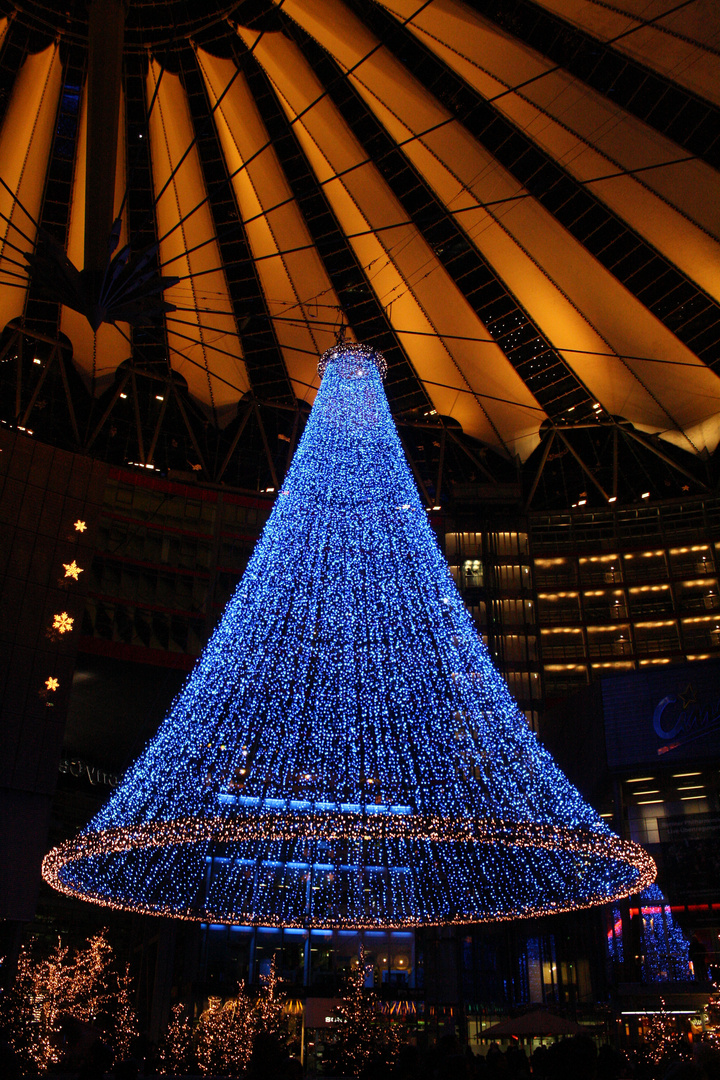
(682, 45)
(553, 276)
(409, 283)
(594, 330)
(25, 141)
(202, 335)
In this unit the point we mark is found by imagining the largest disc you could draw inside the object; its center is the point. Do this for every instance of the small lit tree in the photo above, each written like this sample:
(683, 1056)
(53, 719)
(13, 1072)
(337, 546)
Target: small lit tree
(176, 1045)
(32, 1007)
(126, 1022)
(662, 1039)
(271, 1027)
(211, 1037)
(16, 1010)
(364, 1038)
(52, 984)
(242, 1031)
(48, 990)
(225, 1035)
(270, 1007)
(89, 992)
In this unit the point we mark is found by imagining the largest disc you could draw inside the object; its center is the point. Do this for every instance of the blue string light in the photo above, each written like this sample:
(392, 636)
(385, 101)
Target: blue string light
(665, 949)
(344, 753)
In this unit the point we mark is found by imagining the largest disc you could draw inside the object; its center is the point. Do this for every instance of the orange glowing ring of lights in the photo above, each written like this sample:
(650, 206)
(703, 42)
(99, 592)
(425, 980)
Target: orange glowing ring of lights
(279, 826)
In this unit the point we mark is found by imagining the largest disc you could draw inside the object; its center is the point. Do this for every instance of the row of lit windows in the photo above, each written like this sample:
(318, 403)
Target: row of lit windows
(682, 786)
(315, 956)
(698, 559)
(642, 637)
(473, 545)
(677, 524)
(651, 799)
(634, 592)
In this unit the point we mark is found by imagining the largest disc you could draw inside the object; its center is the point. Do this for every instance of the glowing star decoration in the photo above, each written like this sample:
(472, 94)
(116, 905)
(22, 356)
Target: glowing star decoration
(62, 623)
(73, 570)
(80, 526)
(344, 754)
(52, 684)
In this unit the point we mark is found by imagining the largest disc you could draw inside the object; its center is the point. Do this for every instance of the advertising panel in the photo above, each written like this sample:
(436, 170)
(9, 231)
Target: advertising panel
(662, 716)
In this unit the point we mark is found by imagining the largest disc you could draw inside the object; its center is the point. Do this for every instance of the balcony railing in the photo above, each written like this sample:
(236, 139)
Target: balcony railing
(570, 651)
(557, 616)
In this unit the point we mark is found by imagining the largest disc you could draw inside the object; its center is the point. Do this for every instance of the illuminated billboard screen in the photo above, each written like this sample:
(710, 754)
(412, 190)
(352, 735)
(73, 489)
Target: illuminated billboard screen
(660, 716)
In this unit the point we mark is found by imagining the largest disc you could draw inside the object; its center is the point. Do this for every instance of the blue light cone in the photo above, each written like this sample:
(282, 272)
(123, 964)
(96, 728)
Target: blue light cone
(344, 753)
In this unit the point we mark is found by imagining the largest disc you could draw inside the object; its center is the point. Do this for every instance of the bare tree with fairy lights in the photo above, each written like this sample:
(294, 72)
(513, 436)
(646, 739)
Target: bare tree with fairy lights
(175, 1050)
(53, 994)
(364, 1038)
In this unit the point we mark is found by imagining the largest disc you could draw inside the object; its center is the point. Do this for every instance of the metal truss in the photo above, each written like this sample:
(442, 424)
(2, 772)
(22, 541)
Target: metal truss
(151, 412)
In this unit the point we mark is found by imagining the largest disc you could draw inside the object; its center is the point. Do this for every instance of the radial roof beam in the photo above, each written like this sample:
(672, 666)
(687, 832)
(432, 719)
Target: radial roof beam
(106, 32)
(149, 345)
(293, 277)
(264, 361)
(588, 472)
(158, 426)
(96, 355)
(359, 304)
(189, 428)
(117, 392)
(249, 410)
(649, 445)
(46, 368)
(549, 378)
(68, 395)
(549, 439)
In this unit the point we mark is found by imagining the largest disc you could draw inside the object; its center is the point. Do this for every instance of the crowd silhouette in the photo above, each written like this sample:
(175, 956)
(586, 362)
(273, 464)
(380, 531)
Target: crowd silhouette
(576, 1058)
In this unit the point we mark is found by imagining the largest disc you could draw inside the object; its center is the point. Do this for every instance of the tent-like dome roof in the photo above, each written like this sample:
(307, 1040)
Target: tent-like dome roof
(516, 201)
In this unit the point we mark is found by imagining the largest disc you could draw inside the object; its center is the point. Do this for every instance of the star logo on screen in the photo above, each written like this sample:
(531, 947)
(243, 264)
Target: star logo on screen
(688, 696)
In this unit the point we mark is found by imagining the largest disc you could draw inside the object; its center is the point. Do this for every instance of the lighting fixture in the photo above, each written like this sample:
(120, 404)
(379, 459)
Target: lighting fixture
(347, 655)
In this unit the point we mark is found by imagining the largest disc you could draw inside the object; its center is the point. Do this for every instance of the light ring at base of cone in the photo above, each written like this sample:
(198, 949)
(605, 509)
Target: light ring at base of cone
(278, 827)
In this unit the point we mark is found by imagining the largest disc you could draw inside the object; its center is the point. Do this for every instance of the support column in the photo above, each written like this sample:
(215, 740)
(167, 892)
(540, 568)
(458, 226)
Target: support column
(163, 980)
(106, 35)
